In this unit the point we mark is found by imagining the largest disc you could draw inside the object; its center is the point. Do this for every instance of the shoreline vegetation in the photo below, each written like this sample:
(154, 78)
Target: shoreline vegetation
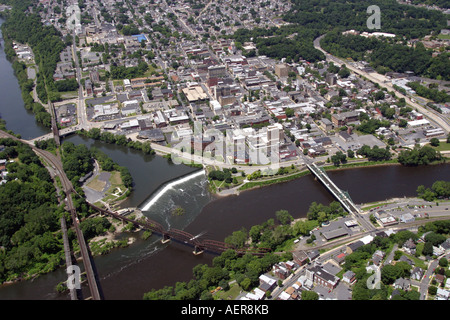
(251, 185)
(230, 274)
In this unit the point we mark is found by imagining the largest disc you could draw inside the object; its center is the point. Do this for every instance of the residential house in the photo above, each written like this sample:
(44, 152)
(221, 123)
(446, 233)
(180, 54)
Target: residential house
(406, 259)
(440, 278)
(442, 294)
(377, 257)
(409, 246)
(293, 293)
(445, 246)
(417, 273)
(402, 284)
(313, 254)
(349, 277)
(305, 282)
(280, 271)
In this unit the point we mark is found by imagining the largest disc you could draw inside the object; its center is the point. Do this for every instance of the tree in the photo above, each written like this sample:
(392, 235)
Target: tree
(418, 156)
(309, 295)
(389, 274)
(443, 262)
(344, 72)
(284, 217)
(338, 158)
(379, 95)
(441, 188)
(434, 142)
(435, 238)
(432, 290)
(237, 238)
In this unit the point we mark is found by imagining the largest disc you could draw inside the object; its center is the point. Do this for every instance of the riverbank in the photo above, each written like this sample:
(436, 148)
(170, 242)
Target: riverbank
(401, 210)
(251, 185)
(119, 235)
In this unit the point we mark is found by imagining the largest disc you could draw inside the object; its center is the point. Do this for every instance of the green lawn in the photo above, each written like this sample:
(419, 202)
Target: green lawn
(444, 36)
(230, 294)
(443, 146)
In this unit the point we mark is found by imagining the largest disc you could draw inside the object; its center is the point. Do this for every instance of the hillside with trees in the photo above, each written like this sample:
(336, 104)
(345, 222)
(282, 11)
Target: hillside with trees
(341, 15)
(45, 41)
(274, 42)
(384, 55)
(30, 237)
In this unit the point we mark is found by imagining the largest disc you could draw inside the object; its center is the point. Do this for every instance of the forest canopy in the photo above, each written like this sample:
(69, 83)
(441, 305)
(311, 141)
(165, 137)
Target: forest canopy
(386, 56)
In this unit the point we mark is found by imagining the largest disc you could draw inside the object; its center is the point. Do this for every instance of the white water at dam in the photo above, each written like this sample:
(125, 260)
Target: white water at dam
(153, 199)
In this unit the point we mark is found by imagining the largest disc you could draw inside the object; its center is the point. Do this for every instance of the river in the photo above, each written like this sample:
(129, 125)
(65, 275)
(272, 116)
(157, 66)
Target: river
(128, 273)
(12, 110)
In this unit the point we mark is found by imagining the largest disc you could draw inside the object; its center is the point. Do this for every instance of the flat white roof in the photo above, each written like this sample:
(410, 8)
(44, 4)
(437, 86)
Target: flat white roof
(419, 122)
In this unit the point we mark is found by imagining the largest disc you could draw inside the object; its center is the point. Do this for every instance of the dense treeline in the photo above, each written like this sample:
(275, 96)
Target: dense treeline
(430, 93)
(384, 56)
(343, 15)
(273, 42)
(369, 126)
(309, 19)
(122, 72)
(419, 156)
(273, 234)
(439, 190)
(375, 153)
(30, 242)
(444, 4)
(322, 213)
(26, 86)
(45, 41)
(120, 140)
(67, 85)
(78, 161)
(246, 271)
(107, 164)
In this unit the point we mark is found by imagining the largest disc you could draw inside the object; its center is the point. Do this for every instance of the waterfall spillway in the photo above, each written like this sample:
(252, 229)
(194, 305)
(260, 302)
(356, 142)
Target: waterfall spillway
(169, 186)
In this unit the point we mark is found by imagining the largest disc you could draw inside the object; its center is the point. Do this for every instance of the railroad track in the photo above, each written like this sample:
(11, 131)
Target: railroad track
(56, 165)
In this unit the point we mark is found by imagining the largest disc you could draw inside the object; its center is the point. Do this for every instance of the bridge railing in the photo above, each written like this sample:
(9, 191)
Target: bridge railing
(183, 236)
(342, 196)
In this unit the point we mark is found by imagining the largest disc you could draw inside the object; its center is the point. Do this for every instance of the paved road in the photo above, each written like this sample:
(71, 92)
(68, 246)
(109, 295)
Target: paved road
(379, 79)
(423, 289)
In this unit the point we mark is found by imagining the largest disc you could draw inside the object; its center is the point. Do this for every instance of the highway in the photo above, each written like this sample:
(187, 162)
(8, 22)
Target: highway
(384, 82)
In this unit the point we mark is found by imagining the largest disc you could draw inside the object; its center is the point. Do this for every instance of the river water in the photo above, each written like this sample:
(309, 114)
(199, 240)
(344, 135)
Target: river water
(128, 273)
(12, 109)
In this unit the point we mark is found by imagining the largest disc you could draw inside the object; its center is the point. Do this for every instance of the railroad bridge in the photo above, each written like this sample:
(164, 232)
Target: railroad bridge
(184, 237)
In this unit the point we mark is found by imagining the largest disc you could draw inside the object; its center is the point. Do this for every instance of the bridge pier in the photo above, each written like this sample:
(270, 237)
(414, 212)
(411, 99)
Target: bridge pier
(197, 250)
(165, 238)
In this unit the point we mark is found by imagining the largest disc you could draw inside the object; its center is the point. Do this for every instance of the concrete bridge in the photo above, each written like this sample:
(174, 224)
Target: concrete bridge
(342, 196)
